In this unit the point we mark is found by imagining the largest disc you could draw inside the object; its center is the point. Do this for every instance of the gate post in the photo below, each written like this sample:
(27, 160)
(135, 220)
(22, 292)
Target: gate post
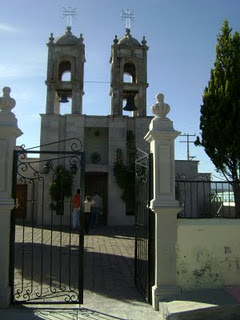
(161, 137)
(8, 133)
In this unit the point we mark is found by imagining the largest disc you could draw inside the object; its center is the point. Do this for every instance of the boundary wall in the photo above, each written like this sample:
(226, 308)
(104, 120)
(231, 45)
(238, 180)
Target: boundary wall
(207, 253)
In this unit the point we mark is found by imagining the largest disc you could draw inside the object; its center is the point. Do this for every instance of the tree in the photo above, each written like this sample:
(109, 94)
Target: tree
(60, 187)
(220, 111)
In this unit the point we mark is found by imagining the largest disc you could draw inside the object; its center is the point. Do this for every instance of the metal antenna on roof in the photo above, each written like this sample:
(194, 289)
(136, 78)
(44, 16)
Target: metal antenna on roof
(188, 143)
(128, 16)
(68, 14)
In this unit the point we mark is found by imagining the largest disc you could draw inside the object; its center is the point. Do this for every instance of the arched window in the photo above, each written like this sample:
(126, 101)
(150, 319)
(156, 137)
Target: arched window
(66, 108)
(64, 71)
(66, 76)
(127, 78)
(129, 72)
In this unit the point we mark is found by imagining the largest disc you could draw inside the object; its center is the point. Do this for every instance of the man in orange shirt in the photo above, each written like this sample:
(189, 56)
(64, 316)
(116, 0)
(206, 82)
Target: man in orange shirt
(75, 209)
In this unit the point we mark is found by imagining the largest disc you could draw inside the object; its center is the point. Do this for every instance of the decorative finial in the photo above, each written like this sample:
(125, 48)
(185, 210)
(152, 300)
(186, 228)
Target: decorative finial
(6, 102)
(160, 108)
(129, 16)
(128, 32)
(69, 13)
(115, 40)
(144, 42)
(81, 38)
(51, 39)
(68, 30)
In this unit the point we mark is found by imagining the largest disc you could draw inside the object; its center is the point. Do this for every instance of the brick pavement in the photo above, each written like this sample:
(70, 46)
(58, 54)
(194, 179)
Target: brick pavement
(109, 261)
(109, 290)
(45, 260)
(109, 275)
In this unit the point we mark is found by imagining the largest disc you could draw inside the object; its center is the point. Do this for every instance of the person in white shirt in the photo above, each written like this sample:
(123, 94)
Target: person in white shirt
(87, 213)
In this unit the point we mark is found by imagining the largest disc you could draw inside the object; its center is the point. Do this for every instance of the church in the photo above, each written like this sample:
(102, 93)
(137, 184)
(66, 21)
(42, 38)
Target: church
(101, 136)
(105, 140)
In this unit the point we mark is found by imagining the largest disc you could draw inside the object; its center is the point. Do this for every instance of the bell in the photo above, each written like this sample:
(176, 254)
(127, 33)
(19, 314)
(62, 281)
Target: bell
(130, 106)
(63, 98)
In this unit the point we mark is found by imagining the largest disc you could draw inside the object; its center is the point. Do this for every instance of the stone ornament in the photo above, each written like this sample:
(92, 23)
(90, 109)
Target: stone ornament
(6, 102)
(95, 157)
(160, 108)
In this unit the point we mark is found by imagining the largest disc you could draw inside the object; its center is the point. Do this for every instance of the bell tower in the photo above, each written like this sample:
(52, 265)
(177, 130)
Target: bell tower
(128, 75)
(65, 72)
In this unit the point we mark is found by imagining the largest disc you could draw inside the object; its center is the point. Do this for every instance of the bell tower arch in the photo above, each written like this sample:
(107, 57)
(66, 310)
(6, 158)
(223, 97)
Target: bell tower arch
(128, 75)
(65, 72)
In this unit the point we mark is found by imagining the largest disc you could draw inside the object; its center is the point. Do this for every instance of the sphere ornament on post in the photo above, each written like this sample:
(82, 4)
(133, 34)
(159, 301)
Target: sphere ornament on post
(160, 108)
(6, 102)
(161, 136)
(9, 132)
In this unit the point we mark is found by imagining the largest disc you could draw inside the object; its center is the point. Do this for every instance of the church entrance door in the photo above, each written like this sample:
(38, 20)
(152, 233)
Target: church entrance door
(21, 195)
(98, 182)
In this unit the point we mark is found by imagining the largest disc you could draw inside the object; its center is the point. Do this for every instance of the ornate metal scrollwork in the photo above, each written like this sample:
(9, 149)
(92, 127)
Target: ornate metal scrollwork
(141, 166)
(36, 283)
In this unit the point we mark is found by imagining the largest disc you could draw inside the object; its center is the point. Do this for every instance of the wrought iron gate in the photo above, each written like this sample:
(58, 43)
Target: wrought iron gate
(46, 254)
(144, 224)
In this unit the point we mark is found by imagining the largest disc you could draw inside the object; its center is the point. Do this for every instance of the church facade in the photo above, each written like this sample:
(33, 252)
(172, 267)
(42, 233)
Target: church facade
(101, 136)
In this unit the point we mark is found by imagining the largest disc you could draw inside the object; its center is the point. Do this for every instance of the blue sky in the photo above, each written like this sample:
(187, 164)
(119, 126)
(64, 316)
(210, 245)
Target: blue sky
(181, 35)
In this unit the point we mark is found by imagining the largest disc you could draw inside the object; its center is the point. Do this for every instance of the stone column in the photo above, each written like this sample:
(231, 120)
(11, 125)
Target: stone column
(161, 137)
(77, 93)
(8, 133)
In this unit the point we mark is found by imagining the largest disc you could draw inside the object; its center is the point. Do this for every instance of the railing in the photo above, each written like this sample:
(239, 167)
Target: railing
(144, 226)
(205, 199)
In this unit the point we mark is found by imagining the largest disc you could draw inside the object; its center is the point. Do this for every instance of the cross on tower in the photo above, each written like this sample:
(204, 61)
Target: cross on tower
(69, 13)
(128, 15)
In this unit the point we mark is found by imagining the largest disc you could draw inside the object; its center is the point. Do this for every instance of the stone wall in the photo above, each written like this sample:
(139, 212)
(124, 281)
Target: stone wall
(208, 254)
(96, 145)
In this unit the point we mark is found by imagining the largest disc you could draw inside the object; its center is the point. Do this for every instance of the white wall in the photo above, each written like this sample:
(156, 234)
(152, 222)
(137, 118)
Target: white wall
(208, 253)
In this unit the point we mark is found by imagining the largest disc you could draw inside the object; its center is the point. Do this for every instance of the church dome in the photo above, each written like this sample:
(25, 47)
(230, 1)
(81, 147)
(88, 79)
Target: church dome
(128, 40)
(68, 38)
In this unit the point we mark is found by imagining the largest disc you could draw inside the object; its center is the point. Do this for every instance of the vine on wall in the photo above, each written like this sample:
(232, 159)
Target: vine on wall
(125, 173)
(60, 188)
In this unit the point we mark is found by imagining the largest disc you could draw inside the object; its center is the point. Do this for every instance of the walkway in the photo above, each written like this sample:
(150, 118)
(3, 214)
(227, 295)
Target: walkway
(109, 275)
(110, 293)
(109, 289)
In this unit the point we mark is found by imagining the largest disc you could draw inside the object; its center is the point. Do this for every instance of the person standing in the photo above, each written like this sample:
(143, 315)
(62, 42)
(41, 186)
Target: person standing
(75, 209)
(87, 212)
(96, 209)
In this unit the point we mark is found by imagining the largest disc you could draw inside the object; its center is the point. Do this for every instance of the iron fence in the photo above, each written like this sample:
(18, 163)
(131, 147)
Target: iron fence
(46, 254)
(205, 199)
(144, 226)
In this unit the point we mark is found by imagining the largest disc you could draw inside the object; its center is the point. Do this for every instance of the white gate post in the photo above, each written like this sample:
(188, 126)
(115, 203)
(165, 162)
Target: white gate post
(161, 137)
(8, 133)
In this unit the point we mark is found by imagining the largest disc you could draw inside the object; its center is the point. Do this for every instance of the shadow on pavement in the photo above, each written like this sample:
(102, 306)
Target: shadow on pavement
(201, 304)
(19, 313)
(207, 296)
(23, 313)
(214, 313)
(49, 269)
(81, 313)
